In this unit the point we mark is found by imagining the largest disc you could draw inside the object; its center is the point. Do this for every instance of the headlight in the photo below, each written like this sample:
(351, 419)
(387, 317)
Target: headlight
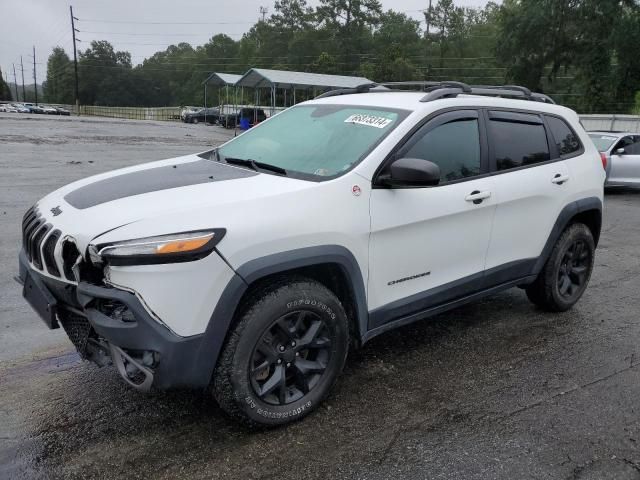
(178, 247)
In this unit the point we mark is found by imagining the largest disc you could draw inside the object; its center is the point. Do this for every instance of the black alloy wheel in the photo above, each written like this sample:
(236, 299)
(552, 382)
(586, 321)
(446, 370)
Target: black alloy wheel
(290, 358)
(575, 265)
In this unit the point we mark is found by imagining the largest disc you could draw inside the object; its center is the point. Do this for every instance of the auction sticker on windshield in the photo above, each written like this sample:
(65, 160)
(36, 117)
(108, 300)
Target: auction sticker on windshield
(368, 120)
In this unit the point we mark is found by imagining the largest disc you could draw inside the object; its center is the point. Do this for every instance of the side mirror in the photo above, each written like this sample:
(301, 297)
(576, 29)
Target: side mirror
(620, 151)
(412, 172)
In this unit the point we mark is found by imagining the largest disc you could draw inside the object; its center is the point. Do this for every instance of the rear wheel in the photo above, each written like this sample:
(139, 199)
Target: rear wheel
(565, 276)
(283, 355)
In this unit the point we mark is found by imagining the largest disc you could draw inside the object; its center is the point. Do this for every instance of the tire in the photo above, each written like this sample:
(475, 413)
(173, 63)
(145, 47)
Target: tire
(294, 327)
(565, 276)
(195, 120)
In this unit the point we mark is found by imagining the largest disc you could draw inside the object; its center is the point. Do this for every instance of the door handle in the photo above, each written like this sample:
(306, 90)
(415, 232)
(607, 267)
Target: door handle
(560, 178)
(477, 197)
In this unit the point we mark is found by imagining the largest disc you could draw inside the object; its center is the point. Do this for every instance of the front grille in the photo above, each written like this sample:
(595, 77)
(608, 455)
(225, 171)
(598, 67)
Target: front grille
(70, 255)
(78, 330)
(39, 241)
(49, 251)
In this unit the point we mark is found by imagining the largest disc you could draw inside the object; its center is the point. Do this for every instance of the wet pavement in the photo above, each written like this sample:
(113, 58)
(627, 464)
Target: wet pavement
(497, 389)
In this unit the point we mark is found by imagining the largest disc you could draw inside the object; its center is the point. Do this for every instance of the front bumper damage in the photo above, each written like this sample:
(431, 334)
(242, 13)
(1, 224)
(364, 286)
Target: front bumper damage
(111, 326)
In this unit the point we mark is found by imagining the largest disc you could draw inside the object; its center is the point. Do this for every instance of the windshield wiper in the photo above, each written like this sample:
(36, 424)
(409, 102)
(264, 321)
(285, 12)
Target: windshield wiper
(255, 165)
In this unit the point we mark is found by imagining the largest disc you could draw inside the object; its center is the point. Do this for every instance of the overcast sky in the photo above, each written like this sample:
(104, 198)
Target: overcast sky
(141, 27)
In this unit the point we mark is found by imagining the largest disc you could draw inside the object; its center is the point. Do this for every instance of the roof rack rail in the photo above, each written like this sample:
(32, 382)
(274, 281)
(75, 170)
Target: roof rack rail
(447, 89)
(364, 88)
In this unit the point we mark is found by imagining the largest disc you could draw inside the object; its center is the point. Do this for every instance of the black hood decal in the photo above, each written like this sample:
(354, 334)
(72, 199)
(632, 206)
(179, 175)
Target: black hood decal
(153, 180)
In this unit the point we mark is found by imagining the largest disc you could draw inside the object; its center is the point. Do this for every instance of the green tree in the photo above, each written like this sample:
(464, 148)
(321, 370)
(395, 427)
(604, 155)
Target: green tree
(5, 92)
(58, 87)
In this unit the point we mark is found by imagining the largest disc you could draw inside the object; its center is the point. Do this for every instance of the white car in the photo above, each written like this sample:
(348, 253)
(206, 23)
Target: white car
(621, 153)
(49, 110)
(8, 108)
(20, 108)
(254, 267)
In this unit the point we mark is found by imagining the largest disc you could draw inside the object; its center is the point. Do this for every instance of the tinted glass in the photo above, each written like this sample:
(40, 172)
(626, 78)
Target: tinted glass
(454, 147)
(566, 141)
(518, 144)
(319, 140)
(602, 142)
(634, 148)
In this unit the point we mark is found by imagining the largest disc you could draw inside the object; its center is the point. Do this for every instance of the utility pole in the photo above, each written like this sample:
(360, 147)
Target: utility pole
(75, 57)
(35, 79)
(15, 82)
(263, 12)
(24, 96)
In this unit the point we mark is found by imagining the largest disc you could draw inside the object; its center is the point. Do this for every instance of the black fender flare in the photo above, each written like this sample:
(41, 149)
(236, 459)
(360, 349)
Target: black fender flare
(215, 335)
(565, 216)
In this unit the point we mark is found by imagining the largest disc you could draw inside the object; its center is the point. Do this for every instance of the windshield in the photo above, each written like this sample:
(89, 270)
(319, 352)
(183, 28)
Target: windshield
(602, 142)
(315, 140)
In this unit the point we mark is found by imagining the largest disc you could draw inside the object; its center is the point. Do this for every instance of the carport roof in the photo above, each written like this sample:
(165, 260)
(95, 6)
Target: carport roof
(262, 78)
(223, 79)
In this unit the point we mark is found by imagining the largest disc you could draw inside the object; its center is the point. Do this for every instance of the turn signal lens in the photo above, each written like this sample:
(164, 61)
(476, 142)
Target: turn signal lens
(180, 246)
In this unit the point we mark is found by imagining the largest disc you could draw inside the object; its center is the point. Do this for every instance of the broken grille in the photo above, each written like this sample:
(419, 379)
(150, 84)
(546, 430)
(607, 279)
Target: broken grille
(39, 241)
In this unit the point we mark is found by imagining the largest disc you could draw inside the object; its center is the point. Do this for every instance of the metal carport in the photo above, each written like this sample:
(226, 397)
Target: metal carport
(222, 80)
(262, 78)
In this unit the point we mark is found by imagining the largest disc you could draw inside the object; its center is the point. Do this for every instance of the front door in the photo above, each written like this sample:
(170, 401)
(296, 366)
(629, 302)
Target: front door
(625, 165)
(428, 244)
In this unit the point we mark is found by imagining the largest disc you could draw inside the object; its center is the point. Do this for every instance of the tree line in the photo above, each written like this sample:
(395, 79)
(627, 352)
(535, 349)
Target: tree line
(584, 53)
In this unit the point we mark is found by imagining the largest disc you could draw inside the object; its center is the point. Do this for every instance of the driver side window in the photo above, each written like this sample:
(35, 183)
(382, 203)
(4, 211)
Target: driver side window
(453, 146)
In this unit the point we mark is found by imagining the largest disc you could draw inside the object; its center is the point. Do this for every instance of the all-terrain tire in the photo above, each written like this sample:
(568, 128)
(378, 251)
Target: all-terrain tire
(278, 319)
(565, 276)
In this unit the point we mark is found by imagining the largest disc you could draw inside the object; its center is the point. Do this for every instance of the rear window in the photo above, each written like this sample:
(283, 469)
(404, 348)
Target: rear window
(518, 144)
(566, 140)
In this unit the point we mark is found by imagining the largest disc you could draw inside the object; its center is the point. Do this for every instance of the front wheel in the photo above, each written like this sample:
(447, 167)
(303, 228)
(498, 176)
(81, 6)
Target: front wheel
(565, 276)
(195, 120)
(284, 353)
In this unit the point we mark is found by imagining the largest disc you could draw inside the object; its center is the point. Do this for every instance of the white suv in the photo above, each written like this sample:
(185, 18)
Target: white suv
(253, 268)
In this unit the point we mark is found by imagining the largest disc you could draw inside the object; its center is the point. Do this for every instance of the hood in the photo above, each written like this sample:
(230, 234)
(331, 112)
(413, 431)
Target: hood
(172, 195)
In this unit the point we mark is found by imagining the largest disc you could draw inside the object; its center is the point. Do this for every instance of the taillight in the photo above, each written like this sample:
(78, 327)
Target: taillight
(604, 160)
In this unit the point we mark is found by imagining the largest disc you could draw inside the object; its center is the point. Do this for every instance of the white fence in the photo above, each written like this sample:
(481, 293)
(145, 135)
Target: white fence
(625, 123)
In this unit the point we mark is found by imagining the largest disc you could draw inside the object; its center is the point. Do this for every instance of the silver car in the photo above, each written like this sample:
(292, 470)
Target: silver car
(621, 151)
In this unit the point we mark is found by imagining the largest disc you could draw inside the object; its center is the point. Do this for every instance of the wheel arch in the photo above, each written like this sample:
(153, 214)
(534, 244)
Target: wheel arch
(587, 211)
(332, 265)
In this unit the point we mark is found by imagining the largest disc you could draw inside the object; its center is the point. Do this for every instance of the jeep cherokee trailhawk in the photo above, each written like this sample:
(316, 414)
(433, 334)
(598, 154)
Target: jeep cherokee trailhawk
(252, 268)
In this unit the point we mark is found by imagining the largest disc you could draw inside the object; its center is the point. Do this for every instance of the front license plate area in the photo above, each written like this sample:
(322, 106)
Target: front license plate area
(41, 300)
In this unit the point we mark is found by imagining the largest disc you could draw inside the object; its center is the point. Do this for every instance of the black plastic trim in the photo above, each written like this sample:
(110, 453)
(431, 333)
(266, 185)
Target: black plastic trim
(565, 216)
(305, 257)
(418, 303)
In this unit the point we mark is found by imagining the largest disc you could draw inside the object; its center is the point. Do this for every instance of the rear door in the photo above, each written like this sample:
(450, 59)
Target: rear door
(625, 167)
(530, 182)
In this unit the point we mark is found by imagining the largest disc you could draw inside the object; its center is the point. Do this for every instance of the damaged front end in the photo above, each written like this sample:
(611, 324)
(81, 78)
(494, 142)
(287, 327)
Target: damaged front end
(107, 325)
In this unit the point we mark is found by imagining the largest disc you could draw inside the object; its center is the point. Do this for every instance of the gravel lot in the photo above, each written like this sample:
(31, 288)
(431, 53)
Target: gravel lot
(497, 389)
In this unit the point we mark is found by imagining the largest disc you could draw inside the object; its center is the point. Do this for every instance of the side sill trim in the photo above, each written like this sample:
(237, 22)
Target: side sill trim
(429, 312)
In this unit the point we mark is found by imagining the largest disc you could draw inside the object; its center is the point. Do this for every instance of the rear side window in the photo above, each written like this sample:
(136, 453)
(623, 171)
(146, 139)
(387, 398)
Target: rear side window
(453, 146)
(566, 140)
(518, 140)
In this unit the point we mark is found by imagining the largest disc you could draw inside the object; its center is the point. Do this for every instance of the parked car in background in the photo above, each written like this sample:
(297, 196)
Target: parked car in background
(205, 115)
(49, 110)
(10, 108)
(21, 108)
(33, 108)
(253, 115)
(62, 111)
(188, 110)
(621, 153)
